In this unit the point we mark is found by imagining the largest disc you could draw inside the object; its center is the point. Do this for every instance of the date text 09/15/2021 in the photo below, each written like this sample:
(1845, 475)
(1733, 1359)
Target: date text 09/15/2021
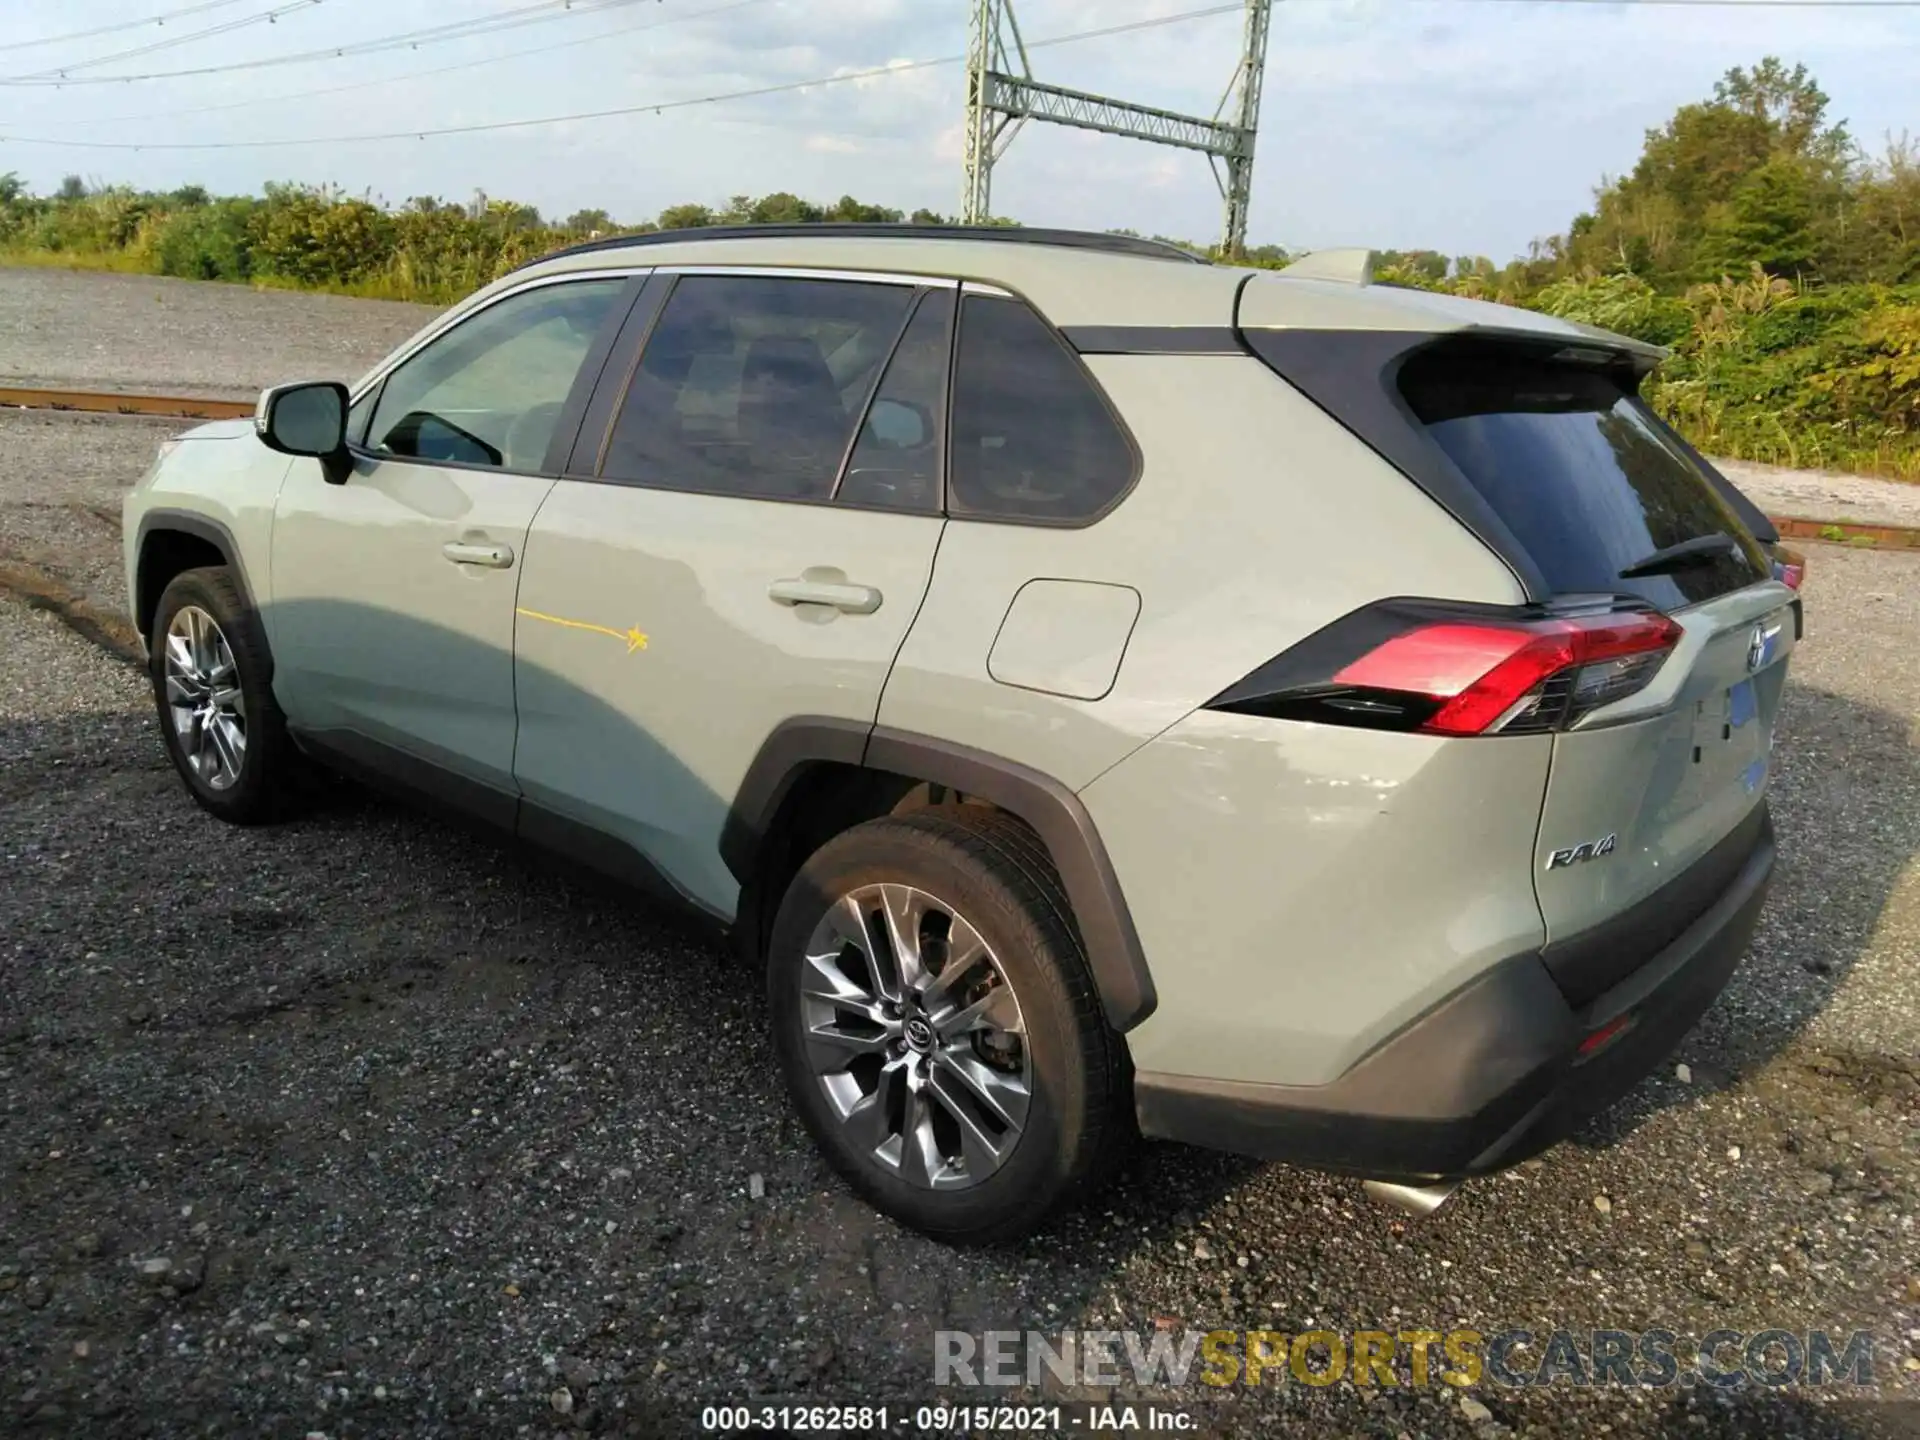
(1092, 1419)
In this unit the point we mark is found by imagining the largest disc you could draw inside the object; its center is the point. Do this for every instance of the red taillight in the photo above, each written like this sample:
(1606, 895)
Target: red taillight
(1449, 668)
(1484, 675)
(1789, 567)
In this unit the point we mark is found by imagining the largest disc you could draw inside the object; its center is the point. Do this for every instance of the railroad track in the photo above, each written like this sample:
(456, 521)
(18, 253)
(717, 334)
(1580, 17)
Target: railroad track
(112, 402)
(186, 407)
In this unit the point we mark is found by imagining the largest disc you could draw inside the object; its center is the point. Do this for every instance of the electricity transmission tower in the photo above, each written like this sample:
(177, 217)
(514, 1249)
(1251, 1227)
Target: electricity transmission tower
(1000, 99)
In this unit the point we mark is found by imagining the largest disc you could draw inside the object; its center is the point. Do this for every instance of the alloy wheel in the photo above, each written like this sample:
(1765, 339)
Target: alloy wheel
(916, 1037)
(204, 702)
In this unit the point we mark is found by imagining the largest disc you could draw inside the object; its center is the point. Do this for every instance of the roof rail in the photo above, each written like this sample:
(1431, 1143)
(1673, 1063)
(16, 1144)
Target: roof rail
(1349, 267)
(1004, 234)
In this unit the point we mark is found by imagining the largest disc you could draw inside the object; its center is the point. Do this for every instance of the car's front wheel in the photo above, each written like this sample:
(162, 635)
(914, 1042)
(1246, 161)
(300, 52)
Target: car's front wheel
(212, 685)
(938, 1026)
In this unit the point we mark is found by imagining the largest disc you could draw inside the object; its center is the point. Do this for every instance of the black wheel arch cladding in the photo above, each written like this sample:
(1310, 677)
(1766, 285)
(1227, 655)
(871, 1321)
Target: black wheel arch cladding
(158, 525)
(1053, 811)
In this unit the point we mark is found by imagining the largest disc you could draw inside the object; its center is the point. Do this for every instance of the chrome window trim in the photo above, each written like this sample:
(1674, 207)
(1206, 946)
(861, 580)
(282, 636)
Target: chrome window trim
(812, 272)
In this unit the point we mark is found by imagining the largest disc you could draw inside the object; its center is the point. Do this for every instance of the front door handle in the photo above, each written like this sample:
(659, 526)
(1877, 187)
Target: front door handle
(808, 590)
(491, 554)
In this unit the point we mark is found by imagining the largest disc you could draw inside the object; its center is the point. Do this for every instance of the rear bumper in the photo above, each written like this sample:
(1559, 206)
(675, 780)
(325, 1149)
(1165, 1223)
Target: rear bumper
(1493, 1074)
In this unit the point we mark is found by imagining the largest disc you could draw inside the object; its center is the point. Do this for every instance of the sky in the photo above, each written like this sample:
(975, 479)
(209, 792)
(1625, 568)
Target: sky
(1464, 126)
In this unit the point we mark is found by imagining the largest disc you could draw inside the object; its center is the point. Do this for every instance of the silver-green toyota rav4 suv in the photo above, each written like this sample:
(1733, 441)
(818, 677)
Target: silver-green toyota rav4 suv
(1109, 693)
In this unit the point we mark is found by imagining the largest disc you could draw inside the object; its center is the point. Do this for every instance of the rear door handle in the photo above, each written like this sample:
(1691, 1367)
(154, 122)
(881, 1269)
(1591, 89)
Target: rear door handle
(853, 599)
(490, 554)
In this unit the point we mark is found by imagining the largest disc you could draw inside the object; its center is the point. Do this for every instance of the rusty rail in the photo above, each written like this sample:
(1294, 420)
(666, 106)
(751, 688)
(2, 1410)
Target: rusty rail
(1849, 532)
(110, 402)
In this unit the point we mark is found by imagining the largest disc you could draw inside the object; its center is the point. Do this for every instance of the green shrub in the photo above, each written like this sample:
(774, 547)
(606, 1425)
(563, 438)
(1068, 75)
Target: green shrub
(1805, 318)
(100, 220)
(205, 242)
(1624, 304)
(314, 237)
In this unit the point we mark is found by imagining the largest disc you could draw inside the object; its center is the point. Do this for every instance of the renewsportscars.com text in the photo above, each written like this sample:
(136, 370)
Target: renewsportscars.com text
(1722, 1359)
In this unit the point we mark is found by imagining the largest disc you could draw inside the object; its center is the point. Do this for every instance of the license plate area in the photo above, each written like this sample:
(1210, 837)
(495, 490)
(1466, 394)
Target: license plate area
(1732, 739)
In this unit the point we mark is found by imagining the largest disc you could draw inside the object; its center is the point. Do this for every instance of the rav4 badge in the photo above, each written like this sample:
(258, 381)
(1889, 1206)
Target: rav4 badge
(1589, 850)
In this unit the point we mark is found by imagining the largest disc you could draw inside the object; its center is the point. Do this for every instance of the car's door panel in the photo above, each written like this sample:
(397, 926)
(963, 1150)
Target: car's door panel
(393, 593)
(664, 632)
(377, 632)
(652, 662)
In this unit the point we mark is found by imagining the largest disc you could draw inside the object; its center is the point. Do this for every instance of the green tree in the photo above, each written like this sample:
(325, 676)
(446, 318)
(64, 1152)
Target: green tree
(588, 222)
(1791, 107)
(685, 217)
(1699, 175)
(1878, 238)
(1769, 222)
(848, 209)
(781, 208)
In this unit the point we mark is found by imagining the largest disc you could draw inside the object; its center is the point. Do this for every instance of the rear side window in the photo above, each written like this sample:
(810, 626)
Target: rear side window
(752, 385)
(1033, 439)
(1579, 470)
(896, 461)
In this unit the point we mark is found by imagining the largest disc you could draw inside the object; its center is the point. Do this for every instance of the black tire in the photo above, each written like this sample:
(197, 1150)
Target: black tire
(272, 773)
(995, 872)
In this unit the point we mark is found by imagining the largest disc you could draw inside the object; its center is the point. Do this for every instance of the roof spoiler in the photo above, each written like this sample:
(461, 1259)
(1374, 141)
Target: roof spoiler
(1348, 267)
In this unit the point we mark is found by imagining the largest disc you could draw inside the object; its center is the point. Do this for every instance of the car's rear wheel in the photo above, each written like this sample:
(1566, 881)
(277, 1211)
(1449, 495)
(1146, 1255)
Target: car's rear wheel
(211, 682)
(938, 1027)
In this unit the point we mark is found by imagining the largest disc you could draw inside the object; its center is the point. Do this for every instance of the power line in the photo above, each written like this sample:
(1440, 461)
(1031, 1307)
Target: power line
(876, 72)
(539, 13)
(900, 67)
(506, 20)
(58, 74)
(412, 75)
(98, 30)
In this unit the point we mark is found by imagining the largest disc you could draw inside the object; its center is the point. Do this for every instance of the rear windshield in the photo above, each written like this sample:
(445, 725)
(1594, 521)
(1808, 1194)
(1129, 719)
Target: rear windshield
(1579, 470)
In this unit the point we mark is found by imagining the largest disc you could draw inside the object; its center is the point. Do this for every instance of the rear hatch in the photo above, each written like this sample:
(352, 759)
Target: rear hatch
(1655, 794)
(1653, 801)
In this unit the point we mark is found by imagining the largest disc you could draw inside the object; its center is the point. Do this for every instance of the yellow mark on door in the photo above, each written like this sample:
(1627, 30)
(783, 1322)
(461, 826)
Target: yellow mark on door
(635, 637)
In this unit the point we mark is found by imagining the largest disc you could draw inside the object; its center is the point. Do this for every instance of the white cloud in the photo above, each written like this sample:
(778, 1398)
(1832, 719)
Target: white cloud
(1391, 122)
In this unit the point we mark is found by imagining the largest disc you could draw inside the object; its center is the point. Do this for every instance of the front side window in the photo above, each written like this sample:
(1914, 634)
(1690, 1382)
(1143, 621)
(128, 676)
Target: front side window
(490, 391)
(752, 385)
(361, 415)
(1032, 438)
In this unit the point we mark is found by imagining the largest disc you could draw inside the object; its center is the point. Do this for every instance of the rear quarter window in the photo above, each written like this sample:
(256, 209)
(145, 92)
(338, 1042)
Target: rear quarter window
(1577, 467)
(1033, 438)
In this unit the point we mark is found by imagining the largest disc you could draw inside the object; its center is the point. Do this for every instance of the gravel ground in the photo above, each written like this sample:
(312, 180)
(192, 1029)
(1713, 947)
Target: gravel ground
(366, 1125)
(1825, 495)
(60, 496)
(88, 330)
(433, 1138)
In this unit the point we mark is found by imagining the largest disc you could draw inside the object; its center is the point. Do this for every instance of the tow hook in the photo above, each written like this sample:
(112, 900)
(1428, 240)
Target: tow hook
(1414, 1200)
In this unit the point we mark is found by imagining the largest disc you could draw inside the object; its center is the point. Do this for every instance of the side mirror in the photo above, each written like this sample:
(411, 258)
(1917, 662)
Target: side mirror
(306, 418)
(897, 425)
